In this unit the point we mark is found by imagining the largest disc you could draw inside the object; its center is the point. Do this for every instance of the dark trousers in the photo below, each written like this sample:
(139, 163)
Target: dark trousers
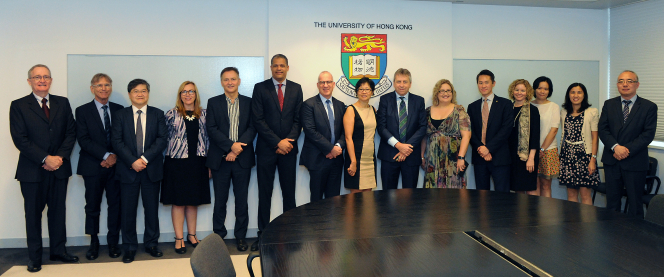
(94, 190)
(36, 195)
(265, 167)
(389, 174)
(633, 181)
(221, 179)
(149, 192)
(501, 177)
(325, 182)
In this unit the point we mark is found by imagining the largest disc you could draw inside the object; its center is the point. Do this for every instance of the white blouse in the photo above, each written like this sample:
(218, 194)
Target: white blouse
(549, 118)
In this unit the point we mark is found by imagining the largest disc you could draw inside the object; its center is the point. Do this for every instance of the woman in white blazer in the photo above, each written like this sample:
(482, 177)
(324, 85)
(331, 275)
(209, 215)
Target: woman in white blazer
(579, 143)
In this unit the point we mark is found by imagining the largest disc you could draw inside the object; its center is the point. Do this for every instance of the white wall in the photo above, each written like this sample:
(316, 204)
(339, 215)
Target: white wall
(31, 35)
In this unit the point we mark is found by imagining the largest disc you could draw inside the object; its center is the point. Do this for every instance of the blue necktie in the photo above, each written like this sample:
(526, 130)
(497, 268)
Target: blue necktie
(626, 109)
(403, 114)
(330, 116)
(107, 127)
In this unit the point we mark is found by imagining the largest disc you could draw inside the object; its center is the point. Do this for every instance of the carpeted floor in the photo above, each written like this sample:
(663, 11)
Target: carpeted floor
(13, 262)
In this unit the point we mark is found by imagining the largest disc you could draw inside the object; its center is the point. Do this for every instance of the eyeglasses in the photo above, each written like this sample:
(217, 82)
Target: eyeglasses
(445, 91)
(188, 92)
(628, 81)
(37, 78)
(140, 92)
(102, 86)
(325, 82)
(364, 89)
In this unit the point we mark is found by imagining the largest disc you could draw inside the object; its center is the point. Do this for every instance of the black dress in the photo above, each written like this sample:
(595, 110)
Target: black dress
(574, 160)
(186, 181)
(520, 178)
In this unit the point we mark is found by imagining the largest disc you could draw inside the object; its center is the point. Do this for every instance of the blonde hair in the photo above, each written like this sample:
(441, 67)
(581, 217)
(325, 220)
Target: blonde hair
(436, 91)
(179, 105)
(530, 92)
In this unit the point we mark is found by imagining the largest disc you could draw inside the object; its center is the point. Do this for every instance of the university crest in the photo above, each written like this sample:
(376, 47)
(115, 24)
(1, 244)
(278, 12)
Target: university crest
(363, 55)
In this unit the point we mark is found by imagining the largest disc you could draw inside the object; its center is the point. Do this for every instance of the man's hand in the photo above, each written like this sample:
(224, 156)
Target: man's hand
(285, 146)
(483, 151)
(237, 147)
(620, 152)
(399, 157)
(488, 157)
(104, 164)
(52, 163)
(139, 165)
(336, 151)
(230, 157)
(111, 160)
(404, 149)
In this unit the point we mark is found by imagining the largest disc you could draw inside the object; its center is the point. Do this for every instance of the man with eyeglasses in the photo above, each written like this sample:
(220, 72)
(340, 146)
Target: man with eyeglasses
(275, 107)
(324, 141)
(627, 126)
(96, 163)
(231, 154)
(44, 131)
(138, 137)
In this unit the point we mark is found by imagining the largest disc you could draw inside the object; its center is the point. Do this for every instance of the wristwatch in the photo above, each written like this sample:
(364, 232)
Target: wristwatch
(461, 158)
(542, 149)
(594, 156)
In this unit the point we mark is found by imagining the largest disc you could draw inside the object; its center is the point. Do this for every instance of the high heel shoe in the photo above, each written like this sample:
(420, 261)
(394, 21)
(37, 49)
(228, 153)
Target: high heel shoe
(192, 244)
(181, 250)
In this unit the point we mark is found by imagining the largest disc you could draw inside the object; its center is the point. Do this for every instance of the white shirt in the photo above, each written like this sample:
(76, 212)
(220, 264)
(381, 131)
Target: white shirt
(39, 100)
(144, 115)
(549, 118)
(489, 102)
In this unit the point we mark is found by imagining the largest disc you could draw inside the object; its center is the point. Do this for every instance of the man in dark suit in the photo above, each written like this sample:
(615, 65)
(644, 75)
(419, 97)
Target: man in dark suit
(324, 141)
(138, 138)
(276, 114)
(96, 163)
(627, 126)
(44, 132)
(401, 123)
(231, 153)
(490, 120)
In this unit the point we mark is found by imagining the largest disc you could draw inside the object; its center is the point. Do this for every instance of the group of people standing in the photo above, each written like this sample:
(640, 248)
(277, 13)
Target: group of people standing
(123, 149)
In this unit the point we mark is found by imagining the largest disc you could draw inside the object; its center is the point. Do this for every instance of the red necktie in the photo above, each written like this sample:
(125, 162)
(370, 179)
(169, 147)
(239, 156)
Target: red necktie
(280, 95)
(47, 111)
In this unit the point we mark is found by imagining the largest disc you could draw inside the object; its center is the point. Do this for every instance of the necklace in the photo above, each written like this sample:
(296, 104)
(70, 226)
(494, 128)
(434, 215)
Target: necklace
(517, 117)
(190, 117)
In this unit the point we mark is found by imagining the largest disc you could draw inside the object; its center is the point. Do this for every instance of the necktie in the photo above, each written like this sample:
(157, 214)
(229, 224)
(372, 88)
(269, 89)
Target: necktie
(485, 119)
(139, 135)
(402, 119)
(107, 126)
(47, 111)
(280, 95)
(330, 117)
(626, 109)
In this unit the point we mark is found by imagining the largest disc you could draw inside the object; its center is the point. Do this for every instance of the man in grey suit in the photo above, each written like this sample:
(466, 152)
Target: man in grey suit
(324, 141)
(44, 132)
(626, 127)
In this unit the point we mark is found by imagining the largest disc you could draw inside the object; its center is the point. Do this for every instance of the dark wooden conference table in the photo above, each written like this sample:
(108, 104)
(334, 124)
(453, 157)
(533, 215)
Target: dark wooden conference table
(451, 232)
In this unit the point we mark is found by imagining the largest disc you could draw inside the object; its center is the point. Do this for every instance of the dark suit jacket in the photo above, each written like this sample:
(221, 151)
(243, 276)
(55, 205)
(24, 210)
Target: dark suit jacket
(635, 134)
(91, 137)
(218, 125)
(36, 137)
(316, 127)
(498, 130)
(272, 124)
(123, 139)
(387, 120)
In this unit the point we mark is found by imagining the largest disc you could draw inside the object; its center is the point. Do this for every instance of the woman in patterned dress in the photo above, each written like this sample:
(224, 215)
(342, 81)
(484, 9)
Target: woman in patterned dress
(579, 142)
(446, 141)
(360, 129)
(549, 164)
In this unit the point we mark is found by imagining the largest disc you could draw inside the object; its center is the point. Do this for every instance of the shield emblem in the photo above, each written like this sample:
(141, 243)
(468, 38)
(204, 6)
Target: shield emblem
(363, 55)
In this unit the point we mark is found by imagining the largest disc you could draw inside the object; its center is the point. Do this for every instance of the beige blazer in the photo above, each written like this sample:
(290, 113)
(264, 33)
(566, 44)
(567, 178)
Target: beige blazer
(590, 122)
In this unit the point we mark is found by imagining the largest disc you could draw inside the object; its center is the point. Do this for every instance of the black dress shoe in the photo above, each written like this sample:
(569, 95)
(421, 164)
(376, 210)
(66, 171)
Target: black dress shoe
(154, 251)
(194, 244)
(182, 249)
(93, 251)
(241, 245)
(254, 246)
(114, 251)
(34, 266)
(129, 256)
(64, 257)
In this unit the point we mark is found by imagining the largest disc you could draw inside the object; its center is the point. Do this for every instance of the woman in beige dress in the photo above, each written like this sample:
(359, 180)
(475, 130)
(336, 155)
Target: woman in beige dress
(360, 129)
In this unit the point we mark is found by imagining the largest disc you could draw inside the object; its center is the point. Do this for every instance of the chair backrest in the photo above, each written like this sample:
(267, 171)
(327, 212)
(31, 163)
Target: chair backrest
(655, 211)
(211, 258)
(652, 171)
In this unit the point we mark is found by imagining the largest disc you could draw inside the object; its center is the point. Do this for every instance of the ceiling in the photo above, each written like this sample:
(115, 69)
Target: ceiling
(574, 4)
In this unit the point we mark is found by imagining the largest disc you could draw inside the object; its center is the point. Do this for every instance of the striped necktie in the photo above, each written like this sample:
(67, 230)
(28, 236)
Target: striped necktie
(626, 109)
(403, 114)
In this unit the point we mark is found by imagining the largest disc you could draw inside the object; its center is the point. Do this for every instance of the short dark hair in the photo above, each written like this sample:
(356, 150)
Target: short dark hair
(487, 73)
(543, 79)
(362, 82)
(568, 103)
(278, 56)
(230, 68)
(134, 83)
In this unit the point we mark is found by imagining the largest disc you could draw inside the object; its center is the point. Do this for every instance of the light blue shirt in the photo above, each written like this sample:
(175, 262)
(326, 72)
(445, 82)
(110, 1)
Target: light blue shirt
(322, 98)
(276, 86)
(101, 115)
(393, 141)
(39, 100)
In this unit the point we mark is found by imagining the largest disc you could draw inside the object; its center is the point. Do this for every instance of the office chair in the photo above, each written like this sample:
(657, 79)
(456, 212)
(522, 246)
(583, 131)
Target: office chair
(211, 258)
(655, 213)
